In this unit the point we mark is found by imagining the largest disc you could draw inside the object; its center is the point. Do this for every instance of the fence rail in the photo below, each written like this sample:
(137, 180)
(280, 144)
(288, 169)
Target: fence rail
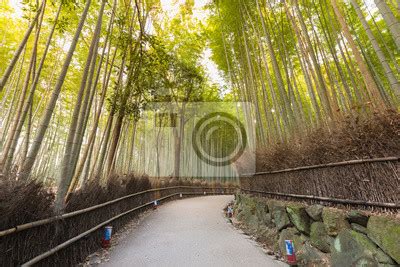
(67, 239)
(326, 199)
(82, 211)
(82, 235)
(326, 165)
(369, 183)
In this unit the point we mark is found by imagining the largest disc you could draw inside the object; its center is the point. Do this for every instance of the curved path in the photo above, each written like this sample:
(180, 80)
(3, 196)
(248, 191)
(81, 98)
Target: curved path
(189, 232)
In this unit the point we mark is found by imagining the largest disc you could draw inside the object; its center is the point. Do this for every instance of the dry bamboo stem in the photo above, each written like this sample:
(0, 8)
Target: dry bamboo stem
(335, 164)
(328, 199)
(80, 236)
(74, 213)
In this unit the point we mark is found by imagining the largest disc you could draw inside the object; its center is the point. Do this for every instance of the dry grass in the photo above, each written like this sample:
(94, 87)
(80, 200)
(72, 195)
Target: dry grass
(27, 202)
(353, 138)
(23, 202)
(377, 136)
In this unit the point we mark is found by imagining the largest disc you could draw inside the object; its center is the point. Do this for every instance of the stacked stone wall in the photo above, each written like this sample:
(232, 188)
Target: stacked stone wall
(322, 236)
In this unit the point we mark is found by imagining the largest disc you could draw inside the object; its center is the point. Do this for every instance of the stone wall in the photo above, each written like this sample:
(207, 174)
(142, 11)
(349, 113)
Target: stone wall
(322, 236)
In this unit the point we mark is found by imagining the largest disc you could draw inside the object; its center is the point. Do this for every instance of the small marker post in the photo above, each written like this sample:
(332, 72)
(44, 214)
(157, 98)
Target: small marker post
(290, 253)
(180, 195)
(230, 212)
(155, 204)
(106, 240)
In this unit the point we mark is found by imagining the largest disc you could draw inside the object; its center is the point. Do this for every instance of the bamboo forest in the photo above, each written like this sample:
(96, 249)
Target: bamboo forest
(101, 99)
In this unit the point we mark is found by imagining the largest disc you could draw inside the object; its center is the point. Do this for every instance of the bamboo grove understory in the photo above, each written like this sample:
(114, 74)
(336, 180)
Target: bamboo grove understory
(77, 76)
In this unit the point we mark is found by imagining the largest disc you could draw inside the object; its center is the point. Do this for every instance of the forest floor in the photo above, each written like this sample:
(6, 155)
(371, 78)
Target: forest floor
(189, 232)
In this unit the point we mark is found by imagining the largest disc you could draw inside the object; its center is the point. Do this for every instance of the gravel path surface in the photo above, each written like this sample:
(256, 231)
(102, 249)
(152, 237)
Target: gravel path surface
(188, 232)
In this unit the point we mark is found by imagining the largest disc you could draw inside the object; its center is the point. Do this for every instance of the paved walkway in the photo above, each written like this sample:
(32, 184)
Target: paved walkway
(189, 232)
